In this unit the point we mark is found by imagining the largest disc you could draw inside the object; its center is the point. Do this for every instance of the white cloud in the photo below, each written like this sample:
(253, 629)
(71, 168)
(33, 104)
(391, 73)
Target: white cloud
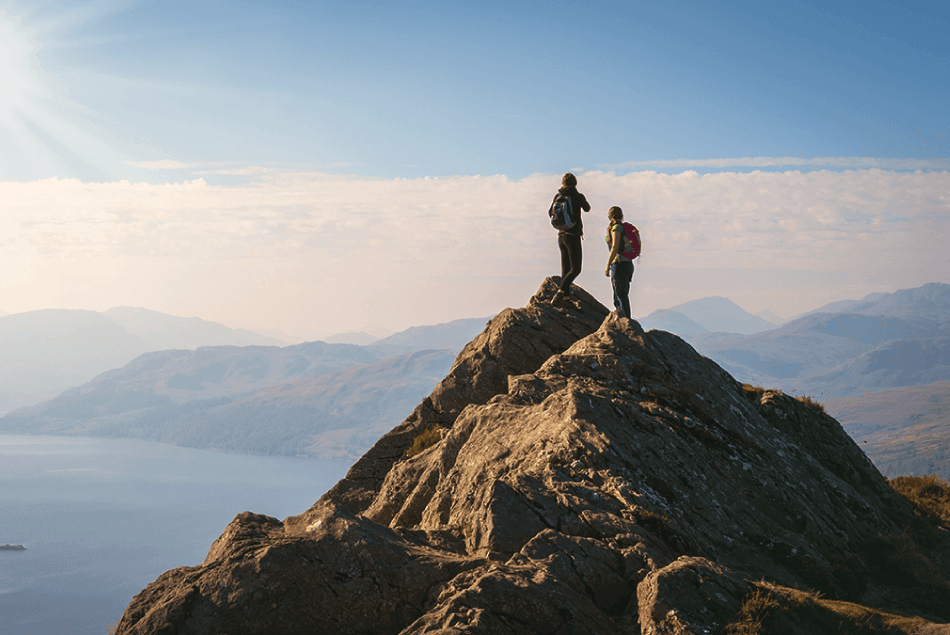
(306, 251)
(782, 162)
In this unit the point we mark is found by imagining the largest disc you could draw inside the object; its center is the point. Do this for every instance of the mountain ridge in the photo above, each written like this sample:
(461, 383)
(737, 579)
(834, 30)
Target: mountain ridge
(575, 474)
(884, 341)
(928, 300)
(721, 315)
(453, 335)
(222, 397)
(361, 338)
(298, 400)
(43, 353)
(674, 322)
(163, 331)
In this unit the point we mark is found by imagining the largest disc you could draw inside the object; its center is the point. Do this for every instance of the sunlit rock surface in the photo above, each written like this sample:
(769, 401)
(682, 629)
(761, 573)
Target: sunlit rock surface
(580, 476)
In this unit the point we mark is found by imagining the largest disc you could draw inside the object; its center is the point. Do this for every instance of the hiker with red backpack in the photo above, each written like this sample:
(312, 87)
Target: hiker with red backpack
(565, 214)
(623, 239)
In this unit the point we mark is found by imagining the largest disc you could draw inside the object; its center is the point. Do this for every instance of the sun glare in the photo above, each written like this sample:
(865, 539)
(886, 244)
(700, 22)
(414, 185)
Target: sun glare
(39, 131)
(21, 97)
(17, 58)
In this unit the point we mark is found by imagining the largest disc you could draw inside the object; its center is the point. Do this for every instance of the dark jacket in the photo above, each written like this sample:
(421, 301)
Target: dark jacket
(578, 203)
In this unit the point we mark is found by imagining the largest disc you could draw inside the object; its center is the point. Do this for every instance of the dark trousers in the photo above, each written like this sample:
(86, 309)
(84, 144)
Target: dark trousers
(621, 274)
(571, 260)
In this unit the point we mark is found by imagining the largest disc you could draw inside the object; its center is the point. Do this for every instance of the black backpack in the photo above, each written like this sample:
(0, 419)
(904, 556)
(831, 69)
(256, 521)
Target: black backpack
(561, 212)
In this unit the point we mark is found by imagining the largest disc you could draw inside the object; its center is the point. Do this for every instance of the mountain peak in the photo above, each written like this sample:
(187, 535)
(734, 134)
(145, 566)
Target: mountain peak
(571, 474)
(667, 320)
(164, 331)
(931, 300)
(719, 314)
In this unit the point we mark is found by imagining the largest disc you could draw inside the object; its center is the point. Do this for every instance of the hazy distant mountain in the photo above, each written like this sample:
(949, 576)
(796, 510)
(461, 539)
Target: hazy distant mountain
(314, 334)
(672, 322)
(928, 301)
(43, 353)
(3, 313)
(719, 314)
(905, 362)
(772, 318)
(332, 416)
(895, 340)
(162, 331)
(180, 376)
(447, 336)
(217, 396)
(361, 338)
(278, 335)
(931, 300)
(316, 399)
(840, 306)
(903, 430)
(774, 358)
(302, 397)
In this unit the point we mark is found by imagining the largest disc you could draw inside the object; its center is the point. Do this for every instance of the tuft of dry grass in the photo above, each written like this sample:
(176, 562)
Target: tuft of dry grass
(809, 401)
(929, 495)
(898, 558)
(424, 440)
(776, 610)
(756, 616)
(752, 393)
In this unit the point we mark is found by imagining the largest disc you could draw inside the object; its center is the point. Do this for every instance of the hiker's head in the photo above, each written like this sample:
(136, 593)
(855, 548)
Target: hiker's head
(615, 214)
(569, 180)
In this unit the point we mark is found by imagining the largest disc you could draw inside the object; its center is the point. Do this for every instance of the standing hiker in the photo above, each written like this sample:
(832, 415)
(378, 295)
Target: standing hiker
(565, 213)
(623, 239)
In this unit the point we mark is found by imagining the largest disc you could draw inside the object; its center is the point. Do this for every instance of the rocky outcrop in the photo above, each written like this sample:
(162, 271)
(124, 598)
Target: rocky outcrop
(516, 341)
(580, 476)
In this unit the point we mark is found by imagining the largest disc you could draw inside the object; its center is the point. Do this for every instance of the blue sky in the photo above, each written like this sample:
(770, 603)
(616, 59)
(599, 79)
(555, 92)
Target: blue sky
(449, 88)
(215, 103)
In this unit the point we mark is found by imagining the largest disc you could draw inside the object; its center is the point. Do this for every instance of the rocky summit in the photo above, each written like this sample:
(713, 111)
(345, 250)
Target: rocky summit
(574, 474)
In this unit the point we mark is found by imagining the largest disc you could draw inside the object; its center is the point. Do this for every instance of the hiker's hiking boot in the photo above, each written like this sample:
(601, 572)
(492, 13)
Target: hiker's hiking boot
(564, 300)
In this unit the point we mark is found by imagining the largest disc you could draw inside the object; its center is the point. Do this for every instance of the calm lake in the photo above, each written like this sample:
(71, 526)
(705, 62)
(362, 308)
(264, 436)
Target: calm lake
(102, 518)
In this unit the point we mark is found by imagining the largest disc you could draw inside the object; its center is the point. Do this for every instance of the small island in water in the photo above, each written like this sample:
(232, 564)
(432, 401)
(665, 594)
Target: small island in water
(12, 548)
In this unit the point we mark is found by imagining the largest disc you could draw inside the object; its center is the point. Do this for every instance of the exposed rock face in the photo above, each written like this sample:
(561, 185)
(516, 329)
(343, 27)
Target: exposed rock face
(588, 478)
(516, 341)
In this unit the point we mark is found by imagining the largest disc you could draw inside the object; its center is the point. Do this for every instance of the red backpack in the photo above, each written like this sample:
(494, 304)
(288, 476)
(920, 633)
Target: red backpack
(631, 250)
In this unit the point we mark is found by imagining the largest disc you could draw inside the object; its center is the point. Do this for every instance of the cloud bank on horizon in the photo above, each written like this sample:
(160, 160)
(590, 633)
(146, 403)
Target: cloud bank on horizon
(328, 167)
(301, 250)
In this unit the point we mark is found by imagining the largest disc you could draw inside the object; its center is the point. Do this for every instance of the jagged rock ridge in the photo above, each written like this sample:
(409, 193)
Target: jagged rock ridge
(584, 477)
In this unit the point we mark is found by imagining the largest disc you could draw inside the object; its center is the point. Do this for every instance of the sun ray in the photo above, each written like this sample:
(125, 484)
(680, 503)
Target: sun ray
(18, 74)
(38, 124)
